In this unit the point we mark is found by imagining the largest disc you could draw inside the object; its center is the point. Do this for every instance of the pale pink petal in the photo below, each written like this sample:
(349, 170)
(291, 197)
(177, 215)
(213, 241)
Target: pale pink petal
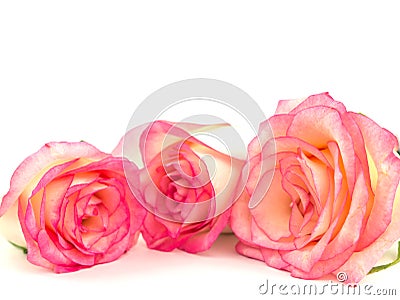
(78, 257)
(332, 255)
(360, 263)
(117, 249)
(271, 215)
(380, 144)
(274, 259)
(225, 181)
(104, 243)
(320, 125)
(350, 231)
(31, 222)
(241, 217)
(156, 235)
(279, 125)
(40, 162)
(249, 251)
(161, 134)
(324, 267)
(34, 255)
(294, 106)
(137, 215)
(293, 144)
(305, 258)
(143, 143)
(202, 241)
(260, 238)
(286, 106)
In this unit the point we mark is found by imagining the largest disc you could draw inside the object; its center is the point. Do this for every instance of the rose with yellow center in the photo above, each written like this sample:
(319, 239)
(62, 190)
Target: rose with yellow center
(331, 206)
(74, 205)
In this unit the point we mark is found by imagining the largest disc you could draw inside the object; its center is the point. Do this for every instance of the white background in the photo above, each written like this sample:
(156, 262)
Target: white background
(76, 70)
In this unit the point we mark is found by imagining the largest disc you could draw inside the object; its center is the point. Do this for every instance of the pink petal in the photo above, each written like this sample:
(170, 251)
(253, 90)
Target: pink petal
(248, 231)
(294, 106)
(271, 215)
(202, 241)
(161, 134)
(49, 250)
(241, 218)
(324, 267)
(286, 106)
(380, 144)
(156, 235)
(360, 263)
(117, 249)
(31, 222)
(249, 251)
(320, 125)
(274, 259)
(39, 162)
(350, 231)
(55, 194)
(78, 257)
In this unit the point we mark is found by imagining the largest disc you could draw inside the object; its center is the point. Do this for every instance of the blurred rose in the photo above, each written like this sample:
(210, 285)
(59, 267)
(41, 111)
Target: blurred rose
(186, 185)
(74, 206)
(331, 206)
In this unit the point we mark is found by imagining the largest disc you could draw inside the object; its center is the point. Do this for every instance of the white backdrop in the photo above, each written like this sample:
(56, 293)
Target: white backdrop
(76, 70)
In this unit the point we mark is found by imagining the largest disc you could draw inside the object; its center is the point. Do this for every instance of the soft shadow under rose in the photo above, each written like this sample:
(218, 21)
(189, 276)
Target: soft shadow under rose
(332, 205)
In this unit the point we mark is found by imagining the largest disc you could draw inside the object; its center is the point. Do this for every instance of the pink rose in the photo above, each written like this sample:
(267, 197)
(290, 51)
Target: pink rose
(74, 206)
(187, 186)
(331, 206)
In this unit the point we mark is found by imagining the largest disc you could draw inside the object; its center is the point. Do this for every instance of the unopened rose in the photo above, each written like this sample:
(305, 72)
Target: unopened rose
(187, 186)
(75, 207)
(332, 205)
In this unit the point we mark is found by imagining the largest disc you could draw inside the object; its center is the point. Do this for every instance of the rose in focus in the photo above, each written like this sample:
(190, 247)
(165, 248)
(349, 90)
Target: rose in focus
(331, 206)
(75, 207)
(187, 186)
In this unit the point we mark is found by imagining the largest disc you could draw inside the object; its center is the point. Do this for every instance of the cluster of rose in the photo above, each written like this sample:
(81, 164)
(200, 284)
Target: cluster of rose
(318, 198)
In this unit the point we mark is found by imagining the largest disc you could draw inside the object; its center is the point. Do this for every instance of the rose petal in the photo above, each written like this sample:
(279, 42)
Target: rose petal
(320, 125)
(286, 106)
(32, 168)
(271, 215)
(294, 106)
(203, 240)
(360, 263)
(380, 144)
(248, 251)
(49, 250)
